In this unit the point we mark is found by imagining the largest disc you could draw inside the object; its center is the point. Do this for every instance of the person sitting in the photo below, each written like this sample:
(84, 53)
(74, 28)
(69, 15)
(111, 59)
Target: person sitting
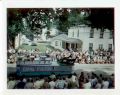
(21, 84)
(29, 84)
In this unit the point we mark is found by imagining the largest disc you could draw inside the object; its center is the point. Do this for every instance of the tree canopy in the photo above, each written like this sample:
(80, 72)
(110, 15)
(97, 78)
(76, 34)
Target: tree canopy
(31, 21)
(102, 18)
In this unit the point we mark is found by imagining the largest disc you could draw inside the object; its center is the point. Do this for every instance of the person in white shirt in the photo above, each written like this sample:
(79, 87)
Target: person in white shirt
(105, 84)
(39, 83)
(87, 84)
(60, 83)
(37, 58)
(11, 83)
(52, 84)
(74, 79)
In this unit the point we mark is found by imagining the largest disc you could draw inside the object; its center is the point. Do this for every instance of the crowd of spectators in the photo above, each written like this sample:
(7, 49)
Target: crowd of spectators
(74, 81)
(87, 57)
(11, 55)
(83, 57)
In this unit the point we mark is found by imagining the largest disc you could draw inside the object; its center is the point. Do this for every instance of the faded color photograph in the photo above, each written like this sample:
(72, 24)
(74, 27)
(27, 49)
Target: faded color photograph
(60, 48)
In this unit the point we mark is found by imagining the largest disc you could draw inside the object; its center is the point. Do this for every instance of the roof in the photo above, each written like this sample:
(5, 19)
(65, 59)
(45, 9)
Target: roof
(64, 37)
(59, 37)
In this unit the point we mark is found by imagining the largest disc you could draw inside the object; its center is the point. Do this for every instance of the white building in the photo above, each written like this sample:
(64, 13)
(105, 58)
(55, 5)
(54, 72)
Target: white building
(62, 42)
(21, 39)
(84, 38)
(92, 38)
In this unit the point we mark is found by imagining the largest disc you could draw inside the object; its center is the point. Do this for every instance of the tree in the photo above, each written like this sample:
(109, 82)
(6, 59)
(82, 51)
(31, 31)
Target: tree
(30, 21)
(78, 17)
(14, 25)
(40, 18)
(34, 19)
(102, 18)
(68, 17)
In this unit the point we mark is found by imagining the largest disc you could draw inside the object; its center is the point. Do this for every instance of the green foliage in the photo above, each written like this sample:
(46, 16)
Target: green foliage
(71, 17)
(15, 24)
(102, 18)
(36, 19)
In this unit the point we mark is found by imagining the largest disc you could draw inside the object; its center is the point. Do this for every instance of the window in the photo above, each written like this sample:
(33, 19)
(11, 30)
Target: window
(91, 33)
(56, 43)
(90, 46)
(73, 34)
(111, 35)
(101, 33)
(110, 47)
(63, 44)
(100, 46)
(78, 33)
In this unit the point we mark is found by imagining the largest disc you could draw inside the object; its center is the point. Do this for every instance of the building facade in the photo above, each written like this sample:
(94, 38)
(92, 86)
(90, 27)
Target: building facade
(84, 38)
(62, 42)
(92, 38)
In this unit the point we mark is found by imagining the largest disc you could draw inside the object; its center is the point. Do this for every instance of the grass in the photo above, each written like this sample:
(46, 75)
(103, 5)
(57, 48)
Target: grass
(41, 46)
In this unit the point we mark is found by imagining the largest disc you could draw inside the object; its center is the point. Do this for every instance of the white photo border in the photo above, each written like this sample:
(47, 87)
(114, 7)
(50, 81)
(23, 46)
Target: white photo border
(56, 4)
